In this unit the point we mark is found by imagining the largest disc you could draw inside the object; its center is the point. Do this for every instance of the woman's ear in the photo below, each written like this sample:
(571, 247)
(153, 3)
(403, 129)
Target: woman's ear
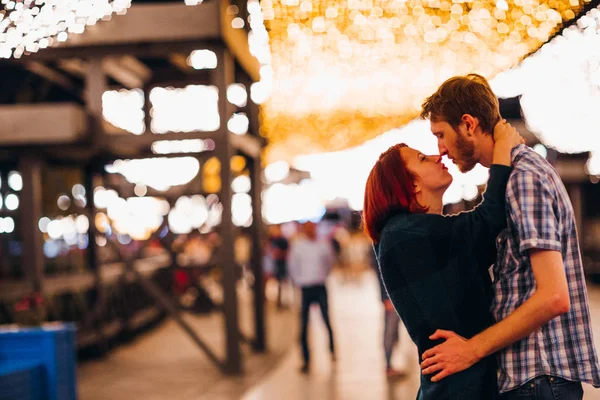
(416, 188)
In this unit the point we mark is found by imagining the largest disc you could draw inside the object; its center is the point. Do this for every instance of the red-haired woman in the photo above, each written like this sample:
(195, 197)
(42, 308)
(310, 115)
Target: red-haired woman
(435, 268)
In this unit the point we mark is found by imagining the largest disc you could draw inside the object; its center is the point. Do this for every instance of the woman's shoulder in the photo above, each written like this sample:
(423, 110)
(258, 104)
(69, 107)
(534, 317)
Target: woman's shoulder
(419, 229)
(415, 224)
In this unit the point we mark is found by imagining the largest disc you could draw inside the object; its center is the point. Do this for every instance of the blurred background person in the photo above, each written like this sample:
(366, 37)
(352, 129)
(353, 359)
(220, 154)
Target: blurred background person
(356, 253)
(278, 249)
(310, 262)
(391, 324)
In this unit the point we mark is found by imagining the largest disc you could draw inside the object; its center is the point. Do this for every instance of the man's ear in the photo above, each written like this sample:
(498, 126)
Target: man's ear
(470, 122)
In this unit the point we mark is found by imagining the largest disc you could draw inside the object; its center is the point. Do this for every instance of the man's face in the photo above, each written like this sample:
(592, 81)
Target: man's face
(456, 145)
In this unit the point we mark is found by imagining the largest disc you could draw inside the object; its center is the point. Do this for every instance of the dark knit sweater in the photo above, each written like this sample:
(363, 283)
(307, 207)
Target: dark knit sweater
(435, 270)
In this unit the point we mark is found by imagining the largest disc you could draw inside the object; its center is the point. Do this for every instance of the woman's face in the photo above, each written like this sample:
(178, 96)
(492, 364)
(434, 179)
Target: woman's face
(431, 175)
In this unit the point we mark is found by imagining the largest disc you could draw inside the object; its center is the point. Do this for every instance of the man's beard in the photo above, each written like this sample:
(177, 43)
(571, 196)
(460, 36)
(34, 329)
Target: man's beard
(466, 153)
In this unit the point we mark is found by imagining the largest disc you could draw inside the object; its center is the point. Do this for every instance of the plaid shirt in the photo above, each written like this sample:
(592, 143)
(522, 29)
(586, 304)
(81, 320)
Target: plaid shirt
(540, 216)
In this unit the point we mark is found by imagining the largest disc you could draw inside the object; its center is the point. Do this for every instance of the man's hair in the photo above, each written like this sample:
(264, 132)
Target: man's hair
(470, 94)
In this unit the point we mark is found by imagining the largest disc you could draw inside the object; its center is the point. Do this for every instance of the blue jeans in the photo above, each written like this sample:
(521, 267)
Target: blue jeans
(546, 388)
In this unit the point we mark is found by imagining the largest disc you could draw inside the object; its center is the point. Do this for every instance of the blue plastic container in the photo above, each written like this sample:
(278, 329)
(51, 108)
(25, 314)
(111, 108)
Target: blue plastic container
(21, 380)
(53, 347)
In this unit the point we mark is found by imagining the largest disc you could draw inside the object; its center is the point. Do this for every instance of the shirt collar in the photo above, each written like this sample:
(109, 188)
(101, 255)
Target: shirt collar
(517, 152)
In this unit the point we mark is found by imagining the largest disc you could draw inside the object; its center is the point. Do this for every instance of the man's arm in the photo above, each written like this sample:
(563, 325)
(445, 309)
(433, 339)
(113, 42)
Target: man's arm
(532, 212)
(550, 300)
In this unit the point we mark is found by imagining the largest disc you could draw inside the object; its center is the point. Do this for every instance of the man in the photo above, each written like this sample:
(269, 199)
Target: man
(544, 338)
(310, 261)
(279, 248)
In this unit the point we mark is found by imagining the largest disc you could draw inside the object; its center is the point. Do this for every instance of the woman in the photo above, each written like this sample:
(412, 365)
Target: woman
(435, 268)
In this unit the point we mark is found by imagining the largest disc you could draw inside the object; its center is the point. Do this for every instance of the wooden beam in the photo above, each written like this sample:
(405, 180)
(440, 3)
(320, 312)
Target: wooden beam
(167, 304)
(144, 141)
(180, 61)
(127, 70)
(159, 49)
(30, 124)
(247, 144)
(55, 77)
(150, 23)
(164, 78)
(74, 66)
(136, 66)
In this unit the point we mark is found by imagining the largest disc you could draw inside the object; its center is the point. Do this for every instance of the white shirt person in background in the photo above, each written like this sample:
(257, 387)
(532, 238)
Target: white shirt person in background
(310, 262)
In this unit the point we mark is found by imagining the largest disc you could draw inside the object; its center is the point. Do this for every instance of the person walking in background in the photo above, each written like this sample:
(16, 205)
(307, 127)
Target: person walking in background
(391, 324)
(278, 246)
(310, 262)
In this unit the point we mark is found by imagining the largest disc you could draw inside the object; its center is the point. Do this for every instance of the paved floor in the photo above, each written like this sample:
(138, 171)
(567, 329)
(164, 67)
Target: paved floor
(165, 365)
(358, 374)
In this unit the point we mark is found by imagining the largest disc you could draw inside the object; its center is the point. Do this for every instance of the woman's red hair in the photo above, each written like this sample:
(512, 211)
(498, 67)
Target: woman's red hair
(389, 190)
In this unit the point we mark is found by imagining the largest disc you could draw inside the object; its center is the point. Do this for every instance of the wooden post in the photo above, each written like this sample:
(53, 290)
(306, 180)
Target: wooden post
(222, 77)
(95, 86)
(31, 212)
(256, 232)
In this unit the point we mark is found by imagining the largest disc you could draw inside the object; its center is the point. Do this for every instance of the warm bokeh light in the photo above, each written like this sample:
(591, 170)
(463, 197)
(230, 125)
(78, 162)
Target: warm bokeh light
(241, 184)
(182, 146)
(202, 59)
(15, 181)
(293, 202)
(125, 109)
(237, 94)
(277, 171)
(193, 108)
(347, 71)
(238, 124)
(158, 173)
(560, 88)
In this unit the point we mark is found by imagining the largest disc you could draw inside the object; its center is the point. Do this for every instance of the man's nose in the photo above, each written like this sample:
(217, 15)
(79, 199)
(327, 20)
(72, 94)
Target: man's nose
(442, 149)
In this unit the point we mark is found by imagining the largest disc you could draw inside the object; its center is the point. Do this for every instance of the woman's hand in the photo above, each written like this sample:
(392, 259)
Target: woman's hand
(505, 134)
(506, 138)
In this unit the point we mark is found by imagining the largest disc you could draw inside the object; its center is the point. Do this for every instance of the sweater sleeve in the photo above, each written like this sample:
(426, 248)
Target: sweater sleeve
(483, 224)
(417, 283)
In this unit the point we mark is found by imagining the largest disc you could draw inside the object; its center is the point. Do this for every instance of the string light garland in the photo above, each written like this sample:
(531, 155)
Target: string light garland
(346, 71)
(26, 26)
